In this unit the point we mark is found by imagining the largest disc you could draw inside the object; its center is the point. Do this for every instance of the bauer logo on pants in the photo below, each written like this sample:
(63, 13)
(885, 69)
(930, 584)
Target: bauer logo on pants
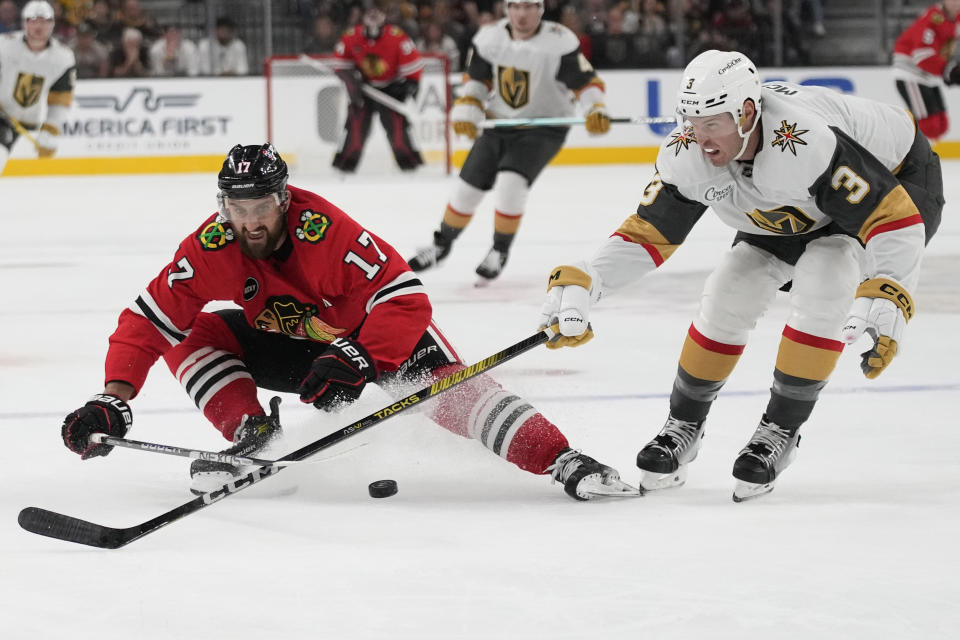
(514, 86)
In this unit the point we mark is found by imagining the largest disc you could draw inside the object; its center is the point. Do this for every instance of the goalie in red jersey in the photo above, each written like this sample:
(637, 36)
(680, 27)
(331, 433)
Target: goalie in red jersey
(923, 60)
(383, 57)
(324, 307)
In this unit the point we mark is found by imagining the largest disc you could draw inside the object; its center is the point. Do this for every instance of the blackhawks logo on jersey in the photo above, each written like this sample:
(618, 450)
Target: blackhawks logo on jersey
(286, 314)
(682, 140)
(787, 137)
(785, 220)
(215, 235)
(514, 86)
(372, 66)
(313, 226)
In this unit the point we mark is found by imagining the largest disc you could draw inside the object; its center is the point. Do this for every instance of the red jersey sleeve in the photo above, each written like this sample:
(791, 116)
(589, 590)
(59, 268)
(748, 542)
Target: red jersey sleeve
(409, 62)
(161, 316)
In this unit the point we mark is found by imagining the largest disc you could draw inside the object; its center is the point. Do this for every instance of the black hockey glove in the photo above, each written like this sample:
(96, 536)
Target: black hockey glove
(338, 375)
(408, 89)
(353, 83)
(102, 414)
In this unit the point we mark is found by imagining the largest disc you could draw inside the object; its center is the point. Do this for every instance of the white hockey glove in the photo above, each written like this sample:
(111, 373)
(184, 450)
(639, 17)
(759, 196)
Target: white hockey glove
(466, 114)
(882, 309)
(566, 310)
(597, 120)
(47, 140)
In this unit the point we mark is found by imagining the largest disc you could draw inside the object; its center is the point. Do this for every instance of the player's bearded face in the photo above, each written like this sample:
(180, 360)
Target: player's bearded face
(717, 137)
(258, 224)
(524, 17)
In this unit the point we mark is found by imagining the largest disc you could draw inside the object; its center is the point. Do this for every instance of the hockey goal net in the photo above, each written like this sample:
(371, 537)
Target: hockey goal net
(307, 106)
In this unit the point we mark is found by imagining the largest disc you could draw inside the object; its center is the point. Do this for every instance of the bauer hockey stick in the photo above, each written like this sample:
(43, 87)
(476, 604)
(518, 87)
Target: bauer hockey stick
(564, 121)
(70, 529)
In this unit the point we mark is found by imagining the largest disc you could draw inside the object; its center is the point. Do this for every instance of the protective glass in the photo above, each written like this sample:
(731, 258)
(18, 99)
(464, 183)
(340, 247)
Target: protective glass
(265, 209)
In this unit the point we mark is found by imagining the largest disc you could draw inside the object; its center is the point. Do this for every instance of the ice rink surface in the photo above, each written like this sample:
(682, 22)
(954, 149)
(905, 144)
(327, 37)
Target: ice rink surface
(859, 540)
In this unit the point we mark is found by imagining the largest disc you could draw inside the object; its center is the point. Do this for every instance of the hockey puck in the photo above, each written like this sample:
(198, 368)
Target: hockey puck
(382, 488)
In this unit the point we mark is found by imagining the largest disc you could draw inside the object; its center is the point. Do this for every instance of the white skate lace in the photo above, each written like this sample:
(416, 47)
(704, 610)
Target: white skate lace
(564, 466)
(427, 256)
(683, 433)
(773, 437)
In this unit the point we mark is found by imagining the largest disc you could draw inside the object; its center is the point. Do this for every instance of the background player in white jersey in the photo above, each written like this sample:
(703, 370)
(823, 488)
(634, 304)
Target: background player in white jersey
(37, 77)
(519, 67)
(822, 188)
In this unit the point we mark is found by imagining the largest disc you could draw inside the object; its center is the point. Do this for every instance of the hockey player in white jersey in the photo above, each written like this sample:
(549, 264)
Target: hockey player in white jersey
(519, 67)
(833, 198)
(37, 78)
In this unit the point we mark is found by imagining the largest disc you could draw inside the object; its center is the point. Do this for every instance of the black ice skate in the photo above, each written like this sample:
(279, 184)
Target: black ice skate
(492, 265)
(770, 450)
(431, 256)
(584, 478)
(664, 459)
(253, 435)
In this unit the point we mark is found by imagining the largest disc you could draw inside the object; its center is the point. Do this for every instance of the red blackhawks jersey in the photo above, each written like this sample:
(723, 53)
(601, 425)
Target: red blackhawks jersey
(389, 58)
(332, 278)
(924, 48)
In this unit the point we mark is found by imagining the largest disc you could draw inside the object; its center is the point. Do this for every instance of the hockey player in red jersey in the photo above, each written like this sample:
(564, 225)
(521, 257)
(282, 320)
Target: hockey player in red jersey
(385, 58)
(923, 61)
(325, 307)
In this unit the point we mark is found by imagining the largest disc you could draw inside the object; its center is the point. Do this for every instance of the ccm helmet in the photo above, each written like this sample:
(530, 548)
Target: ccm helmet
(253, 171)
(37, 9)
(720, 82)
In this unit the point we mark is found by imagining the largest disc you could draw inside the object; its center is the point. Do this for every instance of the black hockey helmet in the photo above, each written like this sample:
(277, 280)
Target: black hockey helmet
(252, 171)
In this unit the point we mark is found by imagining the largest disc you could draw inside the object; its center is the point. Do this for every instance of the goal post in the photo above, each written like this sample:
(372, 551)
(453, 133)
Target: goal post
(307, 106)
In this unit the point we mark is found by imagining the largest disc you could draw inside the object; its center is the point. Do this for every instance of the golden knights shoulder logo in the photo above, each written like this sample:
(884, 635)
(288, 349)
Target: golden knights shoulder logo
(514, 86)
(682, 140)
(785, 220)
(27, 89)
(788, 136)
(215, 235)
(286, 314)
(313, 226)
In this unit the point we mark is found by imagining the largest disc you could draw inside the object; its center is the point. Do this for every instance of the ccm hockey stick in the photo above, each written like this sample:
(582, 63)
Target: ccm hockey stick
(183, 452)
(564, 121)
(70, 529)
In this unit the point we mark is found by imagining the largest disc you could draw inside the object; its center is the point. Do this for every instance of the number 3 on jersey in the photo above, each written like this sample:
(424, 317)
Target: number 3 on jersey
(371, 270)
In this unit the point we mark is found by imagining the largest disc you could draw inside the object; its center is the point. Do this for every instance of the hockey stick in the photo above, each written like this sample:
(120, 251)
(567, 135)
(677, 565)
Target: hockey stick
(183, 452)
(70, 529)
(371, 92)
(562, 122)
(19, 128)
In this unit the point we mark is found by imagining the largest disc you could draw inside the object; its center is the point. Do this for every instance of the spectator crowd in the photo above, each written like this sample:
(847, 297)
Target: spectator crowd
(120, 38)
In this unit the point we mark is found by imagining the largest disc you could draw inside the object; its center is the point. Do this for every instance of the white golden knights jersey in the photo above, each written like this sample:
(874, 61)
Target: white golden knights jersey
(538, 77)
(33, 85)
(823, 158)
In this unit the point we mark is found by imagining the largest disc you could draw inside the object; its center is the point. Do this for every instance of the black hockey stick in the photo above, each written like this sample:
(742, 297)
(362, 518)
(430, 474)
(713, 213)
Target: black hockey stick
(63, 527)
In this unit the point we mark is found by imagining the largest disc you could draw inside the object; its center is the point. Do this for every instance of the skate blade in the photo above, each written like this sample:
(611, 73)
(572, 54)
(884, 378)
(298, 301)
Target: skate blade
(651, 481)
(482, 283)
(610, 488)
(749, 490)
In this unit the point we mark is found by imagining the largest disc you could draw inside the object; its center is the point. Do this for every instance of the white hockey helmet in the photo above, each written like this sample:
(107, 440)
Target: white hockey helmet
(37, 9)
(720, 82)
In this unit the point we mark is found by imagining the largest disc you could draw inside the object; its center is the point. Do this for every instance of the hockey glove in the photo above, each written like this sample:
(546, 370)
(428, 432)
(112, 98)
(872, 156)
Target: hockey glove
(405, 89)
(338, 375)
(567, 307)
(466, 114)
(951, 73)
(47, 140)
(102, 414)
(882, 309)
(597, 120)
